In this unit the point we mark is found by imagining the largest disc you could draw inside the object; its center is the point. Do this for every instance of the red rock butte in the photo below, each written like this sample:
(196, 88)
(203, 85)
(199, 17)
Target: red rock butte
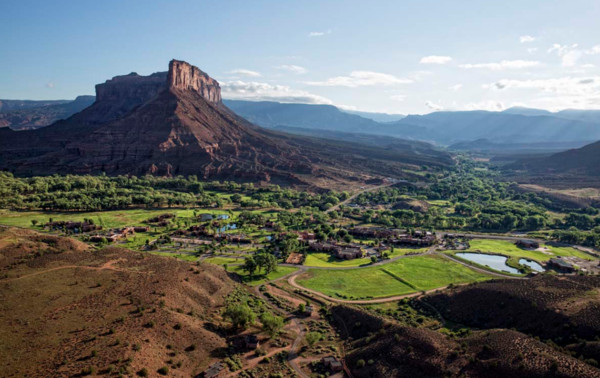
(174, 123)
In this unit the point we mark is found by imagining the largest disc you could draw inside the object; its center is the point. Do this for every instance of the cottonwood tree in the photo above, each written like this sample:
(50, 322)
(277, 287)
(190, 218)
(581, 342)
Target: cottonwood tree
(241, 315)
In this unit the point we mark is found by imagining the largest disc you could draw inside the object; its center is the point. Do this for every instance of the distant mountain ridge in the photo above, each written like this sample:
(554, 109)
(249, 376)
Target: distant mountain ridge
(513, 126)
(520, 125)
(584, 161)
(377, 117)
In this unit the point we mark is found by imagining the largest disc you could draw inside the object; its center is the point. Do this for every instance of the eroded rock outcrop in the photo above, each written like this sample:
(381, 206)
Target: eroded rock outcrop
(184, 76)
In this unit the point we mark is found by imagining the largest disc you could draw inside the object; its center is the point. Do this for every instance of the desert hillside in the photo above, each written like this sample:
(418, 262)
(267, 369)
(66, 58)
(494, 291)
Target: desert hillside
(71, 309)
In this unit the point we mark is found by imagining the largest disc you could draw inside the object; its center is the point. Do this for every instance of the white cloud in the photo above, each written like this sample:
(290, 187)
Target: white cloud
(244, 72)
(398, 97)
(569, 54)
(593, 51)
(435, 59)
(293, 68)
(257, 91)
(50, 85)
(503, 65)
(361, 79)
(526, 39)
(584, 87)
(433, 106)
(532, 50)
(319, 33)
(456, 87)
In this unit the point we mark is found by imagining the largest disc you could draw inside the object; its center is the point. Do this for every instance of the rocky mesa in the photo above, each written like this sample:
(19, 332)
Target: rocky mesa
(174, 122)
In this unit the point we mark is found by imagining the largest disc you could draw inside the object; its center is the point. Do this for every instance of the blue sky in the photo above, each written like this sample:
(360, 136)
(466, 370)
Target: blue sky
(385, 56)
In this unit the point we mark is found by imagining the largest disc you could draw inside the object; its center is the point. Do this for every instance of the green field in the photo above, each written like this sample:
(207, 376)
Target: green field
(107, 219)
(326, 260)
(508, 248)
(258, 279)
(403, 276)
(223, 260)
(406, 251)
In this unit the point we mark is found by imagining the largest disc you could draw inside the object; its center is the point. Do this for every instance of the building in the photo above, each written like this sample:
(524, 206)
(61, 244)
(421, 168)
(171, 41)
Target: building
(306, 236)
(325, 247)
(76, 227)
(529, 244)
(215, 370)
(308, 309)
(251, 341)
(295, 258)
(561, 265)
(161, 218)
(236, 238)
(372, 232)
(405, 239)
(349, 253)
(332, 363)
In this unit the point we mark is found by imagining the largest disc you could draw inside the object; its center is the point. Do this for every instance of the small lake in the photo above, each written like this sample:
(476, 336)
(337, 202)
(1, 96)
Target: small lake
(532, 264)
(495, 262)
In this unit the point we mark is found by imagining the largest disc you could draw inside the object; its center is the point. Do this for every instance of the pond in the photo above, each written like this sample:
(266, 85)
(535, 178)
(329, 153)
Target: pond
(495, 262)
(532, 264)
(227, 227)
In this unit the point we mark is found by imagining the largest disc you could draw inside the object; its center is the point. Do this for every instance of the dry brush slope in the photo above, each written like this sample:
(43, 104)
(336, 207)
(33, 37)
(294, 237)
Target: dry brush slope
(65, 307)
(391, 350)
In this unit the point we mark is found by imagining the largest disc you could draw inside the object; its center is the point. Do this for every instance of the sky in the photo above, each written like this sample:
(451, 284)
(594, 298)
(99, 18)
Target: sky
(405, 57)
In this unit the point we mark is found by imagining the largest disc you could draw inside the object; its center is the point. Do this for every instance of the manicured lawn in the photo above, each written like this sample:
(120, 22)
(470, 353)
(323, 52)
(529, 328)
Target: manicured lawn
(258, 279)
(326, 260)
(353, 284)
(429, 272)
(223, 260)
(405, 251)
(509, 248)
(404, 276)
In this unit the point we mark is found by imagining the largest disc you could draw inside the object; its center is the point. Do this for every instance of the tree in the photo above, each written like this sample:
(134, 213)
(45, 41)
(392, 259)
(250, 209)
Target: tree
(34, 222)
(313, 337)
(267, 261)
(241, 315)
(373, 259)
(249, 265)
(272, 324)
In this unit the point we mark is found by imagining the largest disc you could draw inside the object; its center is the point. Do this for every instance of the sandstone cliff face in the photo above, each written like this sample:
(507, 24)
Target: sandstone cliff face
(121, 94)
(184, 76)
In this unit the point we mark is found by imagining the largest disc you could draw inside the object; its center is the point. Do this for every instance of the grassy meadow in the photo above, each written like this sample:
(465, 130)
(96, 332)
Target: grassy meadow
(403, 276)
